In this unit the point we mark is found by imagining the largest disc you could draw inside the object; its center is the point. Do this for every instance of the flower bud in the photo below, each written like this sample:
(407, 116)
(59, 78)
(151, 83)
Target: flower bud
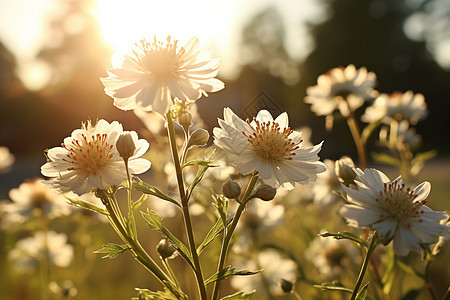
(286, 285)
(185, 118)
(265, 192)
(125, 145)
(231, 189)
(344, 170)
(198, 138)
(165, 250)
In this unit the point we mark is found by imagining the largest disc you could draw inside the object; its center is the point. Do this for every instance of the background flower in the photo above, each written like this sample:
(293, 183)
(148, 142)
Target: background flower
(153, 73)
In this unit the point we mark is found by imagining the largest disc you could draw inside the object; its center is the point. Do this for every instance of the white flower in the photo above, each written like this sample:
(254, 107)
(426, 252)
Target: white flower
(6, 159)
(268, 147)
(398, 106)
(341, 88)
(153, 73)
(30, 251)
(395, 211)
(29, 197)
(327, 182)
(331, 256)
(275, 268)
(89, 159)
(405, 134)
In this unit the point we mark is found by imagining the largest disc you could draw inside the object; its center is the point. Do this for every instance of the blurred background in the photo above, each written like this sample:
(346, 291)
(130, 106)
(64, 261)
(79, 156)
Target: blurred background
(53, 52)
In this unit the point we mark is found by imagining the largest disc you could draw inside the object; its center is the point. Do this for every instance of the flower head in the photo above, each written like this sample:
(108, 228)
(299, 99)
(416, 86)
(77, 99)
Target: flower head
(89, 159)
(395, 211)
(6, 159)
(269, 147)
(30, 251)
(341, 88)
(29, 197)
(153, 73)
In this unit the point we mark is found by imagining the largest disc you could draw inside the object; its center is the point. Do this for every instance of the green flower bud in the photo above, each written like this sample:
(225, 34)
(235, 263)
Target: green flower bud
(286, 285)
(231, 189)
(198, 138)
(265, 192)
(344, 170)
(125, 145)
(165, 250)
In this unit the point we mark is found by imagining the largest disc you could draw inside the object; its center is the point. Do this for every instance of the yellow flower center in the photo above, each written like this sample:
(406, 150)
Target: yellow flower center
(157, 59)
(270, 142)
(89, 153)
(398, 203)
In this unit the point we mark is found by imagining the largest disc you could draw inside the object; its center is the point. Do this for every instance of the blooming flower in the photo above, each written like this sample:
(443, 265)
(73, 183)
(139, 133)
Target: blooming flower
(30, 196)
(395, 211)
(6, 159)
(275, 268)
(153, 73)
(89, 159)
(405, 134)
(341, 88)
(30, 251)
(268, 147)
(330, 256)
(398, 106)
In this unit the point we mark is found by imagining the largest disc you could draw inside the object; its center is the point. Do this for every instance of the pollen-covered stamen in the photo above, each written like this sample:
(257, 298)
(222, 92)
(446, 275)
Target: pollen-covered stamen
(398, 203)
(158, 59)
(90, 152)
(270, 141)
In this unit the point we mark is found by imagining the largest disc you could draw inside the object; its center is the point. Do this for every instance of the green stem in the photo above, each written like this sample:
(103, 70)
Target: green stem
(428, 282)
(116, 219)
(170, 271)
(297, 295)
(184, 203)
(372, 246)
(447, 295)
(356, 134)
(228, 233)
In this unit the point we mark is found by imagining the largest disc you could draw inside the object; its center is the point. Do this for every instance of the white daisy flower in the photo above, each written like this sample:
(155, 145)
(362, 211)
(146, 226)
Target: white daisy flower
(331, 256)
(30, 251)
(396, 212)
(397, 106)
(341, 86)
(29, 197)
(89, 159)
(405, 134)
(275, 268)
(269, 147)
(153, 73)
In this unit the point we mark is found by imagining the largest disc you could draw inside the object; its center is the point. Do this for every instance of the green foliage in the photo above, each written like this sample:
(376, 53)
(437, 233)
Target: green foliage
(111, 250)
(362, 294)
(86, 205)
(212, 234)
(144, 294)
(227, 272)
(345, 235)
(239, 296)
(145, 188)
(333, 286)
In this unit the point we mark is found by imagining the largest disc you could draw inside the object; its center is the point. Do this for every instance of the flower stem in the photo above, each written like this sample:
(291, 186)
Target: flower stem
(117, 221)
(372, 246)
(45, 264)
(184, 203)
(356, 133)
(228, 233)
(429, 283)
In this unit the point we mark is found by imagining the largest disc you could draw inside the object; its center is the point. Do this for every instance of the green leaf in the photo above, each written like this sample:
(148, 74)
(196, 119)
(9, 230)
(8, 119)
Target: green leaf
(386, 159)
(141, 201)
(145, 188)
(86, 205)
(389, 274)
(111, 250)
(213, 232)
(222, 207)
(362, 294)
(345, 235)
(144, 294)
(333, 286)
(198, 177)
(199, 162)
(229, 271)
(154, 221)
(422, 157)
(367, 131)
(239, 296)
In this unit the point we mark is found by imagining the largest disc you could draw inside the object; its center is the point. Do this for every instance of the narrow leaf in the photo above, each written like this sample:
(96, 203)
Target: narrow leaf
(200, 162)
(144, 294)
(362, 294)
(229, 271)
(154, 221)
(333, 286)
(386, 159)
(111, 250)
(213, 232)
(222, 207)
(239, 296)
(345, 235)
(145, 188)
(86, 205)
(141, 201)
(421, 157)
